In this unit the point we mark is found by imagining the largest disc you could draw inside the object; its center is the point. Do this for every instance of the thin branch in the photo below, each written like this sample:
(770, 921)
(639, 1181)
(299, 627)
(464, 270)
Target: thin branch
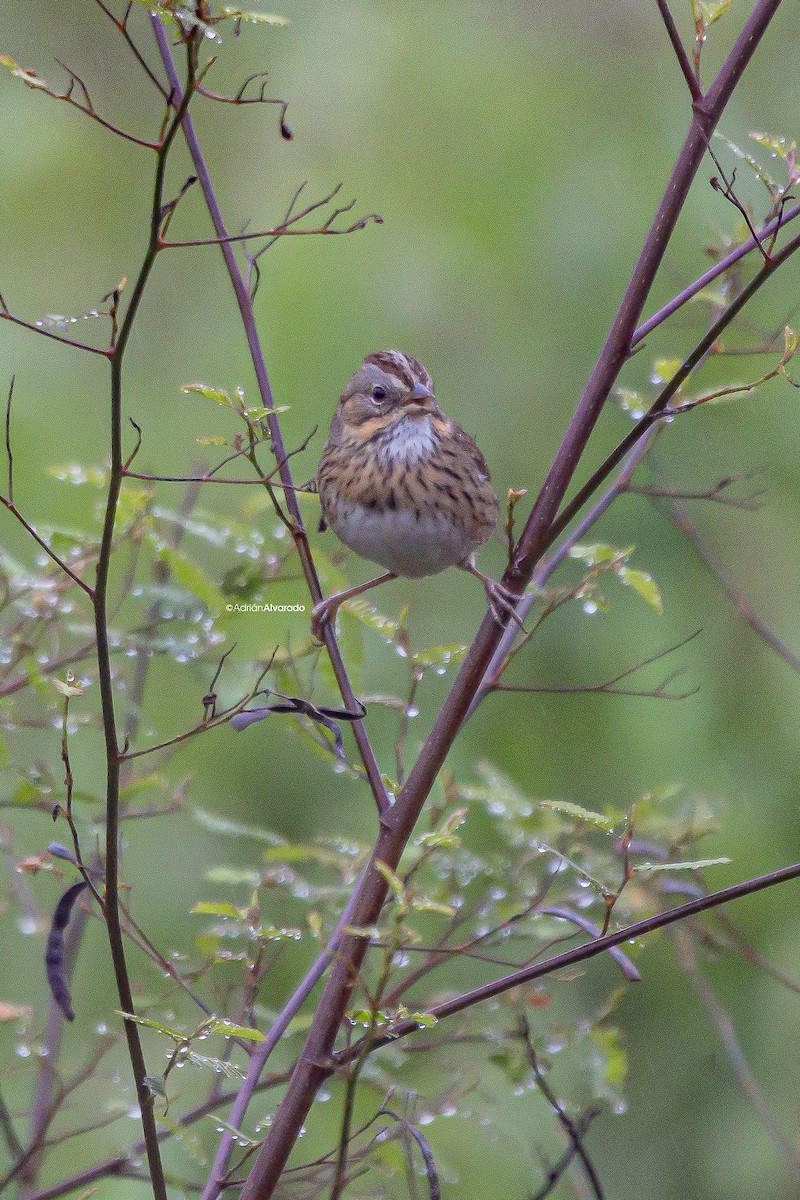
(565, 1121)
(555, 1172)
(770, 229)
(279, 231)
(244, 301)
(38, 327)
(607, 686)
(680, 51)
(8, 501)
(578, 954)
(717, 493)
(726, 1031)
(741, 603)
(122, 26)
(657, 408)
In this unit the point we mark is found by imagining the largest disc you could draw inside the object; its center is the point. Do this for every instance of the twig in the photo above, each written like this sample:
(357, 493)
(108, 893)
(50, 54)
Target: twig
(741, 603)
(244, 301)
(680, 51)
(567, 1124)
(724, 1026)
(555, 1172)
(607, 686)
(569, 958)
(770, 229)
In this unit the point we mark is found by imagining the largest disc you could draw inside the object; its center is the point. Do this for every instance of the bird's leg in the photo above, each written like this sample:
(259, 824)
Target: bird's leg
(502, 602)
(326, 609)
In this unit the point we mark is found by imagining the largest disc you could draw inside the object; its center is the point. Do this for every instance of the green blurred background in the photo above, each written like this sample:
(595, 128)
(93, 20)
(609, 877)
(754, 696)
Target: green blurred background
(516, 153)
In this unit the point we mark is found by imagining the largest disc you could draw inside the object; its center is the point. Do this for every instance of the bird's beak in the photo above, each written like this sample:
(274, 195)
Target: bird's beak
(420, 397)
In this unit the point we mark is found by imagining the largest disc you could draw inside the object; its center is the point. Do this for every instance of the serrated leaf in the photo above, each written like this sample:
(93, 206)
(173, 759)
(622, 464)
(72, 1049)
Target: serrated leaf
(644, 585)
(587, 815)
(217, 908)
(651, 868)
(218, 395)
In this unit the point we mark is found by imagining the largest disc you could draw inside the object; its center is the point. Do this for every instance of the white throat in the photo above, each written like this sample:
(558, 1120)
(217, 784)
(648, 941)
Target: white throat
(412, 438)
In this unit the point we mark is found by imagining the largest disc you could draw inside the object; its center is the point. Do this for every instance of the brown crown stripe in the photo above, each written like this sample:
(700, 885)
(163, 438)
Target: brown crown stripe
(405, 368)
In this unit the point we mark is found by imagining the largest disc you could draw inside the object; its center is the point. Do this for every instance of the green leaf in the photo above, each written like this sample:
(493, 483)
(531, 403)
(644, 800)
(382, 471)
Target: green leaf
(644, 585)
(231, 1029)
(596, 554)
(614, 1056)
(775, 143)
(631, 401)
(424, 1020)
(587, 815)
(706, 12)
(230, 828)
(649, 868)
(77, 474)
(394, 881)
(425, 904)
(212, 439)
(241, 1139)
(190, 574)
(447, 655)
(176, 1034)
(67, 690)
(28, 77)
(217, 908)
(218, 1065)
(218, 395)
(664, 369)
(233, 875)
(772, 186)
(368, 615)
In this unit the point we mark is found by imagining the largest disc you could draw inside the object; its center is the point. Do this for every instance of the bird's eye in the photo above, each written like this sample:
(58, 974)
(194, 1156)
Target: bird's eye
(378, 393)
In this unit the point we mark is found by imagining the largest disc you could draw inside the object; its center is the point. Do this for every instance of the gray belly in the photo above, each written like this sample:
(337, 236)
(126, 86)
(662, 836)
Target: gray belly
(400, 543)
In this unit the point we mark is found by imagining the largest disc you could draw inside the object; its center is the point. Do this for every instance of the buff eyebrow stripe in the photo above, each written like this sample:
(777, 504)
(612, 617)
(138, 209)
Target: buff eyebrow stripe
(54, 952)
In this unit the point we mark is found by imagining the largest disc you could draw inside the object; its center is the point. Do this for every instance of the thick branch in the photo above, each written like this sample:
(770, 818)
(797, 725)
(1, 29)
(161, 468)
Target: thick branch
(313, 1065)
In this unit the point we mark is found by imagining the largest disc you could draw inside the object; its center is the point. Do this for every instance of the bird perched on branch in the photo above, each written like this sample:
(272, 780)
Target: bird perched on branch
(402, 484)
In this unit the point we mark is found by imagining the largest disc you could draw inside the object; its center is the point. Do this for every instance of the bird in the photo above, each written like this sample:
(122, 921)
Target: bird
(402, 484)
